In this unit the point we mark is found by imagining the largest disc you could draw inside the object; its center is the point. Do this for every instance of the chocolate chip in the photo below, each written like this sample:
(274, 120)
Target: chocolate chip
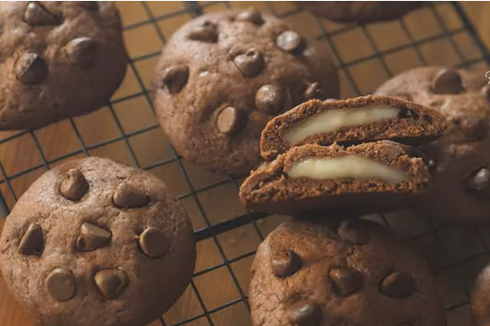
(289, 41)
(272, 99)
(313, 91)
(346, 281)
(285, 263)
(153, 242)
(36, 14)
(32, 243)
(82, 52)
(447, 81)
(207, 32)
(479, 182)
(30, 68)
(352, 233)
(432, 164)
(74, 185)
(250, 63)
(128, 196)
(473, 128)
(305, 313)
(111, 282)
(61, 284)
(398, 285)
(230, 120)
(251, 15)
(175, 78)
(92, 237)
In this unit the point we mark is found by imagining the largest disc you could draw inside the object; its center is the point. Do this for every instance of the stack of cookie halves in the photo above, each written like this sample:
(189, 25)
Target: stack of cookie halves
(328, 163)
(343, 158)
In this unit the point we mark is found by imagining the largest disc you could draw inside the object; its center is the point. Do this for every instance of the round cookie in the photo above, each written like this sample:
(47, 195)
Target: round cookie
(95, 242)
(460, 191)
(359, 11)
(223, 76)
(316, 274)
(480, 299)
(58, 60)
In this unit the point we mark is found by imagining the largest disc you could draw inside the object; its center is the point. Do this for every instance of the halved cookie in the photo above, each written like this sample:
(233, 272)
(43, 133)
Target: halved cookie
(357, 120)
(335, 180)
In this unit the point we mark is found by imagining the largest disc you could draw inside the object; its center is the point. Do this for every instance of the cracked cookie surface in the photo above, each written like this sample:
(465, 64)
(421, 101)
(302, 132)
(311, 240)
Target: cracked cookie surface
(95, 242)
(223, 76)
(307, 273)
(58, 60)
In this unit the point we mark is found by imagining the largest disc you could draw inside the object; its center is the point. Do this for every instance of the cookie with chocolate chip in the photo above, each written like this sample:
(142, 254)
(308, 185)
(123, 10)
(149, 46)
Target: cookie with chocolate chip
(96, 242)
(58, 60)
(460, 190)
(362, 12)
(308, 273)
(224, 75)
(337, 180)
(361, 119)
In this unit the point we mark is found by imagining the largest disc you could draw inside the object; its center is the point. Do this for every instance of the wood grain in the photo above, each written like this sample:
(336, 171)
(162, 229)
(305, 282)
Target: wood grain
(219, 203)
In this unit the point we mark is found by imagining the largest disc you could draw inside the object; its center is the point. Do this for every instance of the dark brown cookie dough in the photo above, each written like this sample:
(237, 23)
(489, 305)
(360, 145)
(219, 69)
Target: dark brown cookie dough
(222, 76)
(95, 242)
(337, 181)
(58, 60)
(360, 11)
(356, 120)
(460, 191)
(312, 274)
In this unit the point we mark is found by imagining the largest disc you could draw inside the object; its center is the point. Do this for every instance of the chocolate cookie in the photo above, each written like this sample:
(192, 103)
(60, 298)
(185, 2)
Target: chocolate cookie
(360, 11)
(480, 299)
(361, 119)
(58, 60)
(312, 274)
(460, 191)
(356, 180)
(95, 242)
(224, 75)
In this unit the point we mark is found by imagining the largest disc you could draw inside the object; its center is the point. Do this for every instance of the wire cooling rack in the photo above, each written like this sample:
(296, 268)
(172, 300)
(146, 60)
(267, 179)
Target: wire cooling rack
(126, 130)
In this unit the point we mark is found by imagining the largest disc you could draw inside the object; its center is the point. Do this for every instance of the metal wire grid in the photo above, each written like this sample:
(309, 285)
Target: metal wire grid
(436, 240)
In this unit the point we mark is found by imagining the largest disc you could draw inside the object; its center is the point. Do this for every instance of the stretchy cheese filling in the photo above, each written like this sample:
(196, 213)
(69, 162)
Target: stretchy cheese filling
(350, 166)
(332, 120)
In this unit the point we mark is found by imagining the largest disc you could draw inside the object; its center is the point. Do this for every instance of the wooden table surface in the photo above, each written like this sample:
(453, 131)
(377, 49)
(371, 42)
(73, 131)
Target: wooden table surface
(220, 203)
